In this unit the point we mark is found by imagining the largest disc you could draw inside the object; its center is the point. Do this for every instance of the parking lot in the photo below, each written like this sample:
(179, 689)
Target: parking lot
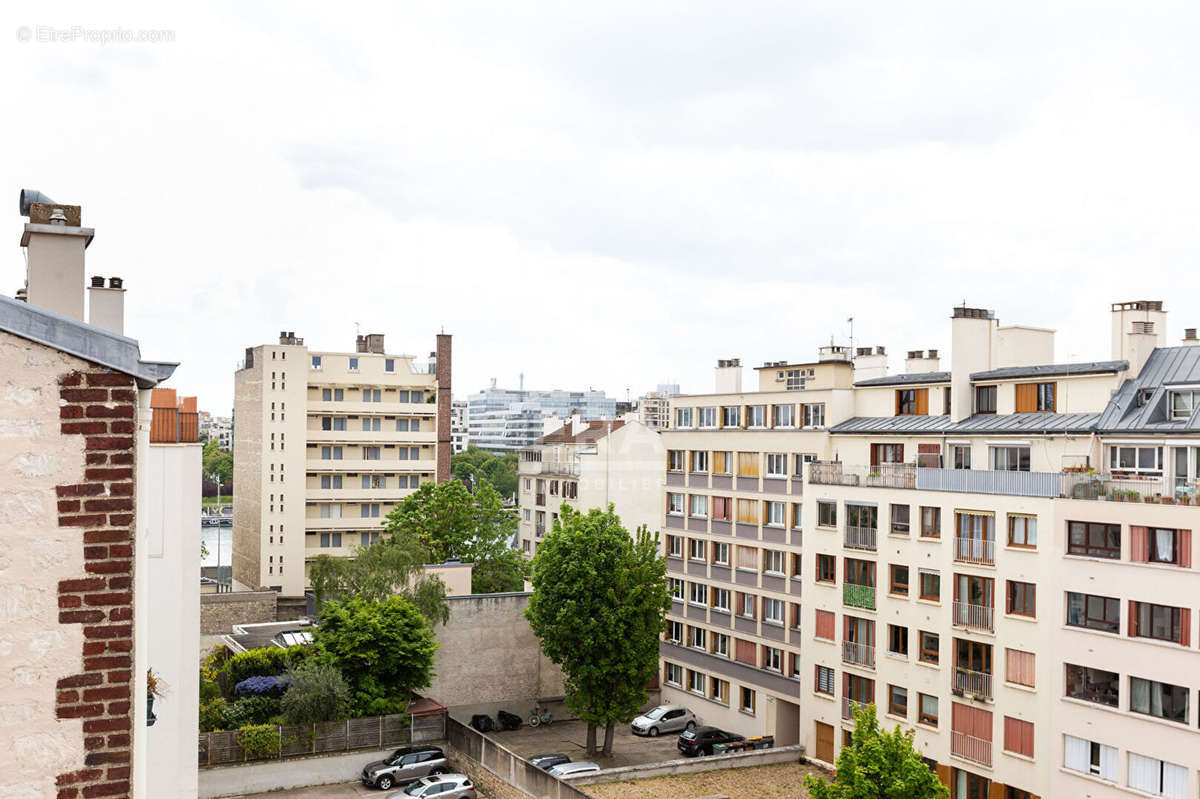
(570, 738)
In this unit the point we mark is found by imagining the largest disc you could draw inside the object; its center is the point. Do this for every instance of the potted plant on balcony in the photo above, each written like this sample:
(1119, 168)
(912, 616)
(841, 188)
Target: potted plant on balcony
(156, 686)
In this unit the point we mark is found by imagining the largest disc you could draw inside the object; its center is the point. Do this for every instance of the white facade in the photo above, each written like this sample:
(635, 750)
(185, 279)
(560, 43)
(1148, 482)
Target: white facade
(459, 421)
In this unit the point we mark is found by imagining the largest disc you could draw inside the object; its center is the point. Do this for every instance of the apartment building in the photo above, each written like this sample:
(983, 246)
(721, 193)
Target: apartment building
(219, 429)
(589, 464)
(973, 564)
(327, 443)
(505, 420)
(654, 407)
(459, 433)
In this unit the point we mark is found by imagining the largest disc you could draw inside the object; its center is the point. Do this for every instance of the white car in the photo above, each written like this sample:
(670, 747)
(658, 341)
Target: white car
(574, 769)
(664, 718)
(443, 786)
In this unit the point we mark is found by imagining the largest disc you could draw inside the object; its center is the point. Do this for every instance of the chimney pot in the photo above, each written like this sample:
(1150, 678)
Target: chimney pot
(933, 353)
(97, 282)
(57, 217)
(115, 283)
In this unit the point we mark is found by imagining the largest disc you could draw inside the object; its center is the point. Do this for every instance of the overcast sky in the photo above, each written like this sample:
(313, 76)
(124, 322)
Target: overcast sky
(612, 194)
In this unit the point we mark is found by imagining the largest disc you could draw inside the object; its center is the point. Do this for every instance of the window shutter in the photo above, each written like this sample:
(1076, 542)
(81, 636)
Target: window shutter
(897, 411)
(1133, 614)
(1185, 548)
(1026, 399)
(1185, 626)
(825, 624)
(1139, 550)
(1018, 736)
(922, 402)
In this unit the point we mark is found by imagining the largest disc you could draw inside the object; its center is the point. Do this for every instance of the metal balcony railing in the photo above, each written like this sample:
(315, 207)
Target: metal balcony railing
(975, 617)
(858, 654)
(968, 747)
(848, 707)
(975, 683)
(883, 475)
(975, 550)
(860, 538)
(858, 596)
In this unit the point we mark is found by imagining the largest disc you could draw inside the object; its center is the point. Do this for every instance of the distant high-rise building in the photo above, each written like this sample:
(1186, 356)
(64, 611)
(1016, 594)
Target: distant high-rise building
(504, 420)
(459, 435)
(653, 406)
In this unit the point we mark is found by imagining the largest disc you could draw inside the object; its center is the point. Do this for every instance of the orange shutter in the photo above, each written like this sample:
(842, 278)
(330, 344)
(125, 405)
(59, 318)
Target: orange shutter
(1026, 397)
(825, 624)
(1133, 614)
(922, 402)
(897, 413)
(1185, 548)
(1185, 626)
(1139, 539)
(1018, 736)
(745, 653)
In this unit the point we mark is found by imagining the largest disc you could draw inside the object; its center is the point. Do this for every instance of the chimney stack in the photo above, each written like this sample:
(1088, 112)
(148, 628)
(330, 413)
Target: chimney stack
(972, 339)
(1189, 337)
(1138, 327)
(54, 243)
(729, 376)
(360, 343)
(106, 305)
(919, 361)
(373, 343)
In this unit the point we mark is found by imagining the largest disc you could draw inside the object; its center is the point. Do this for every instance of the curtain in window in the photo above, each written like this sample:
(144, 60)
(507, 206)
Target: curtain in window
(1145, 773)
(747, 464)
(747, 558)
(1077, 754)
(1164, 545)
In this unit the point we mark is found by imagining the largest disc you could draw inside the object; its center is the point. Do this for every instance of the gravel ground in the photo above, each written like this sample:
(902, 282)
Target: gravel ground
(778, 781)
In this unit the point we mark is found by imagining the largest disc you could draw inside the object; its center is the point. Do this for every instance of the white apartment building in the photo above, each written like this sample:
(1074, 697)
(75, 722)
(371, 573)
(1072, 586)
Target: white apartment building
(459, 433)
(326, 444)
(589, 464)
(969, 561)
(654, 407)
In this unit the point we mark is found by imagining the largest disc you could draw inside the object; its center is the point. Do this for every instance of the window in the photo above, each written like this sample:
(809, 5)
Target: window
(814, 414)
(985, 399)
(773, 561)
(708, 418)
(1094, 540)
(1093, 685)
(1046, 397)
(1161, 622)
(887, 453)
(897, 640)
(719, 691)
(898, 580)
(389, 365)
(931, 522)
(1022, 531)
(746, 605)
(721, 642)
(316, 362)
(1183, 403)
(699, 460)
(825, 623)
(927, 711)
(683, 417)
(1142, 460)
(826, 514)
(773, 610)
(722, 508)
(332, 394)
(730, 416)
(1020, 667)
(370, 453)
(696, 637)
(747, 558)
(747, 464)
(1094, 612)
(862, 516)
(960, 456)
(415, 396)
(720, 553)
(906, 402)
(860, 572)
(756, 416)
(366, 539)
(1157, 777)
(1010, 459)
(775, 513)
(722, 462)
(675, 586)
(695, 681)
(675, 459)
(372, 395)
(823, 680)
(1018, 736)
(1159, 699)
(674, 546)
(1022, 598)
(699, 504)
(747, 700)
(900, 519)
(369, 510)
(1161, 545)
(331, 453)
(930, 648)
(931, 585)
(776, 464)
(675, 504)
(331, 481)
(674, 674)
(772, 659)
(353, 364)
(674, 632)
(720, 599)
(1090, 757)
(797, 515)
(698, 593)
(747, 511)
(370, 425)
(826, 569)
(696, 549)
(898, 701)
(795, 379)
(785, 415)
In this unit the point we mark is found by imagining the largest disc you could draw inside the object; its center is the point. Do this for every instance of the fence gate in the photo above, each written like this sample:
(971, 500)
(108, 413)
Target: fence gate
(430, 727)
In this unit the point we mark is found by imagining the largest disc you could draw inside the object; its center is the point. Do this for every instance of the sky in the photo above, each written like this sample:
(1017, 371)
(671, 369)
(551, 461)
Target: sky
(609, 195)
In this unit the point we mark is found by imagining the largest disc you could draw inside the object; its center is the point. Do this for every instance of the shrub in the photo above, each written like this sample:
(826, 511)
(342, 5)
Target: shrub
(212, 714)
(251, 710)
(261, 686)
(208, 690)
(264, 662)
(318, 692)
(259, 741)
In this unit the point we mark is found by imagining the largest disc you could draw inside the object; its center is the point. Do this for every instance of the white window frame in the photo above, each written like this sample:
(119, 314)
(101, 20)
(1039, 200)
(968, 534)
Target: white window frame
(674, 631)
(708, 418)
(697, 549)
(790, 412)
(674, 585)
(720, 553)
(776, 513)
(674, 675)
(699, 460)
(720, 644)
(699, 506)
(720, 599)
(773, 610)
(776, 464)
(674, 546)
(814, 415)
(756, 417)
(698, 594)
(674, 504)
(773, 558)
(773, 659)
(1114, 458)
(683, 418)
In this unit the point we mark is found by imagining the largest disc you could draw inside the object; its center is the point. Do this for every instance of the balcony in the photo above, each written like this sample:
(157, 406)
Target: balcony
(979, 551)
(857, 654)
(561, 468)
(859, 538)
(848, 707)
(974, 617)
(968, 747)
(540, 499)
(858, 596)
(883, 475)
(973, 683)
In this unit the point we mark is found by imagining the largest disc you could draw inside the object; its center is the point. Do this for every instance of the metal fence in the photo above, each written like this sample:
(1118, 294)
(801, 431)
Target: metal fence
(295, 740)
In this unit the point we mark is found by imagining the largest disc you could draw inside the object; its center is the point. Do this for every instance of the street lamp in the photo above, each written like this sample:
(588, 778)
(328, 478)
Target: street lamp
(216, 478)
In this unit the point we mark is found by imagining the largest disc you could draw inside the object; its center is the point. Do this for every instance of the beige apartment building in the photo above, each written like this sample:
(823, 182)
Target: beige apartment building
(326, 444)
(970, 561)
(585, 465)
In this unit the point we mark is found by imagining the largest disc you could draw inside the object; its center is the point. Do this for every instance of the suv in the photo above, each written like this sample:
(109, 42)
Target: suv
(404, 766)
(700, 740)
(664, 718)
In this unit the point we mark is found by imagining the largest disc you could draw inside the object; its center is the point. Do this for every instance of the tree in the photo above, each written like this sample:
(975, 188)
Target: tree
(450, 522)
(878, 765)
(599, 599)
(476, 465)
(383, 649)
(318, 693)
(214, 459)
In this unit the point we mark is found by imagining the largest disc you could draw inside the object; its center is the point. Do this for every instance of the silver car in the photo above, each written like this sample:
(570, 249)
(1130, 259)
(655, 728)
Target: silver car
(574, 769)
(664, 718)
(443, 786)
(405, 765)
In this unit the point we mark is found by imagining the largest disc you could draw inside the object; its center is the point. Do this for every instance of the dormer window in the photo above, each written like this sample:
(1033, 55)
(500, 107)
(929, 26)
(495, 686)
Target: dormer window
(1144, 396)
(1182, 403)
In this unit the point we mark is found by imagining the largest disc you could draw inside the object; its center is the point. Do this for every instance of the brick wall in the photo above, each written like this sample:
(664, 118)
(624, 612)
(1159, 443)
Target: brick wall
(101, 407)
(443, 407)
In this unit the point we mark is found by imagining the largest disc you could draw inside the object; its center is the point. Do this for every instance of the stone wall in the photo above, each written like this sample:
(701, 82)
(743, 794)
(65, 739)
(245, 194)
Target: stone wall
(219, 612)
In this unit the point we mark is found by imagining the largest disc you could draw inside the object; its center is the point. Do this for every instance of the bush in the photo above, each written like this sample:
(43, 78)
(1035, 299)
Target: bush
(264, 662)
(208, 690)
(251, 710)
(318, 692)
(212, 714)
(259, 741)
(261, 686)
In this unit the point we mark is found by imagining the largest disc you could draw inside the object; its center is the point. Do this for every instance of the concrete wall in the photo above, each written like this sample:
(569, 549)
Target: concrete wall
(219, 612)
(488, 654)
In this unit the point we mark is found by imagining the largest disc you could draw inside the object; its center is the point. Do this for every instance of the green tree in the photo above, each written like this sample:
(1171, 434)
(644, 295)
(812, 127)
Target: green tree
(391, 566)
(214, 459)
(383, 649)
(318, 693)
(477, 465)
(878, 765)
(598, 604)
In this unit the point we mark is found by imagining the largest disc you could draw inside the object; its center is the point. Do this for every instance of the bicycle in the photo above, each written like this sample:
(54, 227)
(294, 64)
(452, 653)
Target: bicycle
(538, 716)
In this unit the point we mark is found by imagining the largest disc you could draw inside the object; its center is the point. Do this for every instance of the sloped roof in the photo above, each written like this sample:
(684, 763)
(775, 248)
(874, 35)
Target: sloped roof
(594, 431)
(82, 340)
(1014, 423)
(1053, 370)
(1140, 404)
(906, 379)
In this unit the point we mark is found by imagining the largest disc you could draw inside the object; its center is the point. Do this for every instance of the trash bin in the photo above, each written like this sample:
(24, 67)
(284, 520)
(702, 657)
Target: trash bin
(765, 742)
(719, 749)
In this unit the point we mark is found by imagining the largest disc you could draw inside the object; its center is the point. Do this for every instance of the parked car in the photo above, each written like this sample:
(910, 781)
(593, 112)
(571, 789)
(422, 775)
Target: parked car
(574, 769)
(699, 741)
(664, 718)
(443, 786)
(547, 762)
(405, 765)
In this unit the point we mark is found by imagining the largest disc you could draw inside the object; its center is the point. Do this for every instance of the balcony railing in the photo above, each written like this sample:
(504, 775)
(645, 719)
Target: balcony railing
(976, 617)
(571, 468)
(975, 550)
(860, 538)
(968, 747)
(858, 596)
(848, 707)
(858, 654)
(883, 475)
(975, 683)
(540, 499)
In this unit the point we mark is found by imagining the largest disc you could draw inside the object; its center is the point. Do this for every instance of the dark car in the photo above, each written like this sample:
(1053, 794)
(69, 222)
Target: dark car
(405, 765)
(700, 741)
(547, 762)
